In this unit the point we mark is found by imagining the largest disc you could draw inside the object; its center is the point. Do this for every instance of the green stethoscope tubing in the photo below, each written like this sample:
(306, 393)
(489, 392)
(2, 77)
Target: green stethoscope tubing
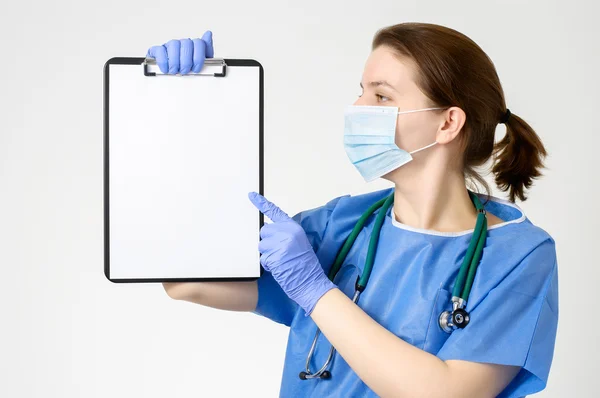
(383, 204)
(466, 275)
(462, 287)
(458, 318)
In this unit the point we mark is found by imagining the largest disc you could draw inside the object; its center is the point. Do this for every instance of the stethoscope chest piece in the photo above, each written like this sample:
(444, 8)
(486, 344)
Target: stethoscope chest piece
(451, 320)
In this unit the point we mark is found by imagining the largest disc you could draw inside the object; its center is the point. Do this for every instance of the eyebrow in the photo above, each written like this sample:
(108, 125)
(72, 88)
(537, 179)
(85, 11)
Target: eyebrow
(379, 83)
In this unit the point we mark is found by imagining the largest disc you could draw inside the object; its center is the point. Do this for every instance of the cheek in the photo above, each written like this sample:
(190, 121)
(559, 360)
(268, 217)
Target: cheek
(405, 135)
(412, 136)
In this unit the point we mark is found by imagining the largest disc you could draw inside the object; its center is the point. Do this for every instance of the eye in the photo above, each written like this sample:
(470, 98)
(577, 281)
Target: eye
(382, 98)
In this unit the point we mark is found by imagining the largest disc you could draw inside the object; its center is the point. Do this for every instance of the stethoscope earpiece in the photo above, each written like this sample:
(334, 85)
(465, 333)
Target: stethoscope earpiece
(325, 375)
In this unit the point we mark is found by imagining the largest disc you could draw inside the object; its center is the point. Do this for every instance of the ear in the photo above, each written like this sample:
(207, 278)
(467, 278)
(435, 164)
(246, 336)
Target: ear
(451, 125)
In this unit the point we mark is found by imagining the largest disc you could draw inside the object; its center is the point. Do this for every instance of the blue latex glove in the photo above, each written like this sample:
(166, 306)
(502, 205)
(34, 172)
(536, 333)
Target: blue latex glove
(183, 56)
(288, 255)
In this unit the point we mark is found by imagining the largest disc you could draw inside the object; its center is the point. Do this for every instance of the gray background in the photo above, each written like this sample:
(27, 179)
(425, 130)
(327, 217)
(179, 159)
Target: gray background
(68, 332)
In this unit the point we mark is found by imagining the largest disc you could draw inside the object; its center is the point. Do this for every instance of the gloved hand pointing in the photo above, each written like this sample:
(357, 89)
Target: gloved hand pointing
(288, 255)
(183, 56)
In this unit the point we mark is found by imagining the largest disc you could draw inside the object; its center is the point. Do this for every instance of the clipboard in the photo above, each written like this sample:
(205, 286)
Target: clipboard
(181, 154)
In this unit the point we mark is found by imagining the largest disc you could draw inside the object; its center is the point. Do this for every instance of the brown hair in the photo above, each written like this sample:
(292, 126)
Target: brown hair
(454, 71)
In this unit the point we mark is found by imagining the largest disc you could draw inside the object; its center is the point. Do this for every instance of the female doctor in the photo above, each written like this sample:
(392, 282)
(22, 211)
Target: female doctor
(431, 100)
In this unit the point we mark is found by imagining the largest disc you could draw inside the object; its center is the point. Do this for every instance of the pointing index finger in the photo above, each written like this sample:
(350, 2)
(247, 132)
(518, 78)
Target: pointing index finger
(267, 208)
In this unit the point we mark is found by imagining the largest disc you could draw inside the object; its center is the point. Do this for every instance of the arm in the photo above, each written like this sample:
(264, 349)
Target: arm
(230, 296)
(394, 368)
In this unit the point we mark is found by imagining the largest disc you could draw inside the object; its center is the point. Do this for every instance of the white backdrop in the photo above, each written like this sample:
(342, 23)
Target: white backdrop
(65, 331)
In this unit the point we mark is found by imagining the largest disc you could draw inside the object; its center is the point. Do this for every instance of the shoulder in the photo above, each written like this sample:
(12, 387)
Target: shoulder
(343, 206)
(350, 205)
(520, 254)
(338, 214)
(514, 225)
(350, 208)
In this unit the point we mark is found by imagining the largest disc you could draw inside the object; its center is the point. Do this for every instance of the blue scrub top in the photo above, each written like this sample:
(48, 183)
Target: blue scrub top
(513, 302)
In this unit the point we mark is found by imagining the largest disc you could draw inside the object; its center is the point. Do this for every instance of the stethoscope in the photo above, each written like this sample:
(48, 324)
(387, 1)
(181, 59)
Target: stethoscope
(458, 318)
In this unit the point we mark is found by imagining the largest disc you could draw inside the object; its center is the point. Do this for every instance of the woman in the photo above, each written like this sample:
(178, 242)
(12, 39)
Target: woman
(443, 102)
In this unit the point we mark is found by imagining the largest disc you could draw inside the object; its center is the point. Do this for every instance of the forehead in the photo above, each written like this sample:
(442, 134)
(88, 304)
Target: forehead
(384, 64)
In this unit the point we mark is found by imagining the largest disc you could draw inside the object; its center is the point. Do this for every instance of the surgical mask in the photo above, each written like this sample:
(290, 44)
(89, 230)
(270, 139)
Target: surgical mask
(369, 139)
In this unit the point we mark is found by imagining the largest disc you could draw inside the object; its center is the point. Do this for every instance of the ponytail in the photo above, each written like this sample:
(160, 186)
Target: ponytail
(519, 158)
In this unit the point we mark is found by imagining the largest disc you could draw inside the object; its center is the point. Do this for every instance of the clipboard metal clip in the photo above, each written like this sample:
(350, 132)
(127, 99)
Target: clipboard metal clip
(150, 68)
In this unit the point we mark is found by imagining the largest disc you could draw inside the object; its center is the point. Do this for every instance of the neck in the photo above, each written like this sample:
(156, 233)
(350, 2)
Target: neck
(435, 199)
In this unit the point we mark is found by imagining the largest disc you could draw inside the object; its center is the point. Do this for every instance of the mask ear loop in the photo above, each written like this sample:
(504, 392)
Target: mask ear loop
(420, 110)
(425, 147)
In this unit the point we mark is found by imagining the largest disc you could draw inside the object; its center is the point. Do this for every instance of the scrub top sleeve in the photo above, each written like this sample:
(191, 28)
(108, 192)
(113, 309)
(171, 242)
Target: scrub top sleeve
(515, 324)
(273, 303)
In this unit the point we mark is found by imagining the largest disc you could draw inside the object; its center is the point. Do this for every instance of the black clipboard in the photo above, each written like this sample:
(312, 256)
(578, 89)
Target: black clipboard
(180, 155)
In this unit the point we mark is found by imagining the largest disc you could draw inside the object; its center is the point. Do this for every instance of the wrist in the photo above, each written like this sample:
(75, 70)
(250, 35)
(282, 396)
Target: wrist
(317, 290)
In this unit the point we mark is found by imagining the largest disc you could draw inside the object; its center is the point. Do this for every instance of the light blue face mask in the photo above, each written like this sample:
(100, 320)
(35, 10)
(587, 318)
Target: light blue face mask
(369, 139)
